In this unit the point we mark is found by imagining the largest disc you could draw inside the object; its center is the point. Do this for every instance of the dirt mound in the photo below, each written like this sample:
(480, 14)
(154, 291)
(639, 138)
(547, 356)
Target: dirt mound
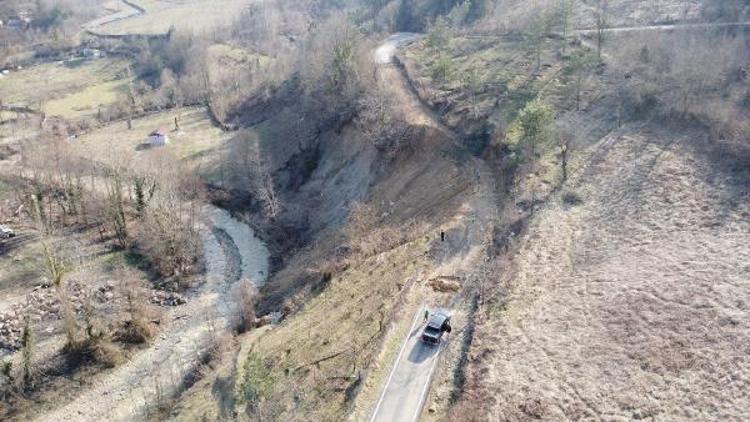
(446, 284)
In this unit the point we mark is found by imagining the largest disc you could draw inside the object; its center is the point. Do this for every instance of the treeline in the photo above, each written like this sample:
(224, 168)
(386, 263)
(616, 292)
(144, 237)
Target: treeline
(51, 23)
(149, 206)
(416, 15)
(325, 48)
(515, 15)
(701, 76)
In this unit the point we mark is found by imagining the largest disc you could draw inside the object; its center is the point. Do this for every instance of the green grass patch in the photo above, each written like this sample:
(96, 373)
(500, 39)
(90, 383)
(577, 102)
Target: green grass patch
(125, 258)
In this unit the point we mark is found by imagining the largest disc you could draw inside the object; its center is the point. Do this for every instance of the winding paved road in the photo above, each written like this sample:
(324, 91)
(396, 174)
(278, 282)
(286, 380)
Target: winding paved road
(408, 383)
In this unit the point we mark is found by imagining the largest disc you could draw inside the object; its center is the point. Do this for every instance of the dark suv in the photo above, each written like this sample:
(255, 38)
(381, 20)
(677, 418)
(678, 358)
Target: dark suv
(439, 323)
(6, 233)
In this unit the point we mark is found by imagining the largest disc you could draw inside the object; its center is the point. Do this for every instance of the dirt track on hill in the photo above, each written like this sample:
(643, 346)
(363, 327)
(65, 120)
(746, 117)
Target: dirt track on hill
(407, 387)
(127, 391)
(665, 27)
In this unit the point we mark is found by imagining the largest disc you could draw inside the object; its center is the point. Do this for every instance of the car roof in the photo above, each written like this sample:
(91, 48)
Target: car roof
(437, 319)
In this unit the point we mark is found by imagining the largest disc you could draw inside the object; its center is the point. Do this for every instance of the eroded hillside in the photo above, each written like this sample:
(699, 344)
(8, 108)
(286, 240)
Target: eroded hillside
(252, 210)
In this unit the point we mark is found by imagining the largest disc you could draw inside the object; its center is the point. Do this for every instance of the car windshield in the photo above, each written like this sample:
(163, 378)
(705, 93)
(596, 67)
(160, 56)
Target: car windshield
(432, 330)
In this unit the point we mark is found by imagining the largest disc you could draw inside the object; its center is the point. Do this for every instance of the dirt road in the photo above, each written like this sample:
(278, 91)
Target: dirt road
(408, 384)
(126, 392)
(671, 27)
(385, 53)
(126, 11)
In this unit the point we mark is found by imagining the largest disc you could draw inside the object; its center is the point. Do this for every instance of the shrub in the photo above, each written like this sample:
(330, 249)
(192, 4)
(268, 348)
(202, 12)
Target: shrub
(439, 36)
(106, 353)
(171, 243)
(258, 381)
(94, 349)
(244, 294)
(572, 198)
(136, 331)
(138, 328)
(442, 69)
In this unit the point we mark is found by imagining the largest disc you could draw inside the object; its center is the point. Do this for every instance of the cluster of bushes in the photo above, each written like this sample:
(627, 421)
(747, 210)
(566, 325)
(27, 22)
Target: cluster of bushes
(701, 76)
(151, 205)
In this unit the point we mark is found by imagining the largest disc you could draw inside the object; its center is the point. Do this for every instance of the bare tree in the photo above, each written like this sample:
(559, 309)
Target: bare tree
(567, 131)
(244, 294)
(264, 188)
(602, 24)
(579, 68)
(335, 65)
(251, 170)
(169, 225)
(115, 207)
(380, 121)
(567, 11)
(27, 345)
(58, 269)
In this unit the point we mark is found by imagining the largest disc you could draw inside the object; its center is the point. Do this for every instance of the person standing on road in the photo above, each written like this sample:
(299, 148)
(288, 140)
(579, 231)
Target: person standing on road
(426, 314)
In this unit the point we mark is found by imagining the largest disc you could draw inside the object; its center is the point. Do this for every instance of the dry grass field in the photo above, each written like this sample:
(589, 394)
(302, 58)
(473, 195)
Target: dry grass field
(632, 13)
(197, 142)
(72, 90)
(195, 15)
(634, 304)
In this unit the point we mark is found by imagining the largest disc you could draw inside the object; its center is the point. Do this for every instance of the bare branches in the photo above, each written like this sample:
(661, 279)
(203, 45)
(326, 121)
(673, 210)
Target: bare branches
(378, 119)
(601, 25)
(115, 208)
(696, 76)
(264, 188)
(335, 66)
(252, 171)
